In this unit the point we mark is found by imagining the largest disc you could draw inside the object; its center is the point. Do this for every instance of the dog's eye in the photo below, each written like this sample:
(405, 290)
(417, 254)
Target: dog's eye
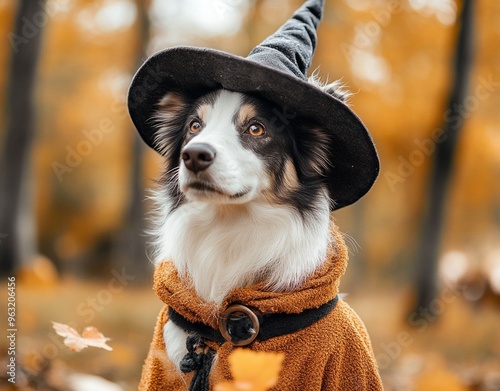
(256, 130)
(195, 126)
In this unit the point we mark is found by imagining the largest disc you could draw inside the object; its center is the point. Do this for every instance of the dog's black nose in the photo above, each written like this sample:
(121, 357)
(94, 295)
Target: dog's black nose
(198, 156)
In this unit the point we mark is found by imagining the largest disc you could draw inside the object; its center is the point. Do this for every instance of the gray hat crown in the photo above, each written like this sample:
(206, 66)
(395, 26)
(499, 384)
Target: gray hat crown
(290, 49)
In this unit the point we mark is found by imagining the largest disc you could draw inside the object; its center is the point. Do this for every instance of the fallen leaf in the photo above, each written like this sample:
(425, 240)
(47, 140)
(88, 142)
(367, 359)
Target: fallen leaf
(252, 371)
(76, 342)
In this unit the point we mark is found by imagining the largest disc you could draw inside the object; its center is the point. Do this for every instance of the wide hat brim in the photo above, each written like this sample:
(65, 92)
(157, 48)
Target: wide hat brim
(352, 154)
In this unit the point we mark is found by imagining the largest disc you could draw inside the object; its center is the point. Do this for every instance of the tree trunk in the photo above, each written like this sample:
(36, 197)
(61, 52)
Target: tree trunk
(17, 226)
(131, 252)
(442, 169)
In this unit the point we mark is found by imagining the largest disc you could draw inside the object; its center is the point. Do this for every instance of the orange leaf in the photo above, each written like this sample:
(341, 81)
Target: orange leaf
(252, 371)
(76, 342)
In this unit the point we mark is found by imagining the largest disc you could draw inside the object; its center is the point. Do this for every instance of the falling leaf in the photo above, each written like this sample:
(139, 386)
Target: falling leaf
(76, 342)
(252, 371)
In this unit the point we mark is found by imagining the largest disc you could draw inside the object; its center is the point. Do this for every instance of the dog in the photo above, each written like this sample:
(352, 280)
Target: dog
(257, 156)
(241, 201)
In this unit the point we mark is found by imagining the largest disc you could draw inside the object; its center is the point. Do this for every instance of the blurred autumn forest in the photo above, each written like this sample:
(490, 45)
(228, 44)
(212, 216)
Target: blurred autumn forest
(74, 203)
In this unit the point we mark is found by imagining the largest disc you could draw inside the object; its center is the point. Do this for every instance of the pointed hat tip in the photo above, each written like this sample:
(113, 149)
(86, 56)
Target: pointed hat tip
(291, 47)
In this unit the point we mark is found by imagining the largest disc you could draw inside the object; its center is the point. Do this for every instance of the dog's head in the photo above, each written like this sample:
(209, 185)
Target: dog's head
(231, 148)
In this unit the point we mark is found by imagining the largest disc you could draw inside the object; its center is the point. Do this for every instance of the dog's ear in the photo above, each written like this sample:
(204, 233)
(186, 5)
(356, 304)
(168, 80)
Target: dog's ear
(169, 119)
(311, 144)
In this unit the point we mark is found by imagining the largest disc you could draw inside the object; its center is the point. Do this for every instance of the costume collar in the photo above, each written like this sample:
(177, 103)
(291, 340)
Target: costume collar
(240, 326)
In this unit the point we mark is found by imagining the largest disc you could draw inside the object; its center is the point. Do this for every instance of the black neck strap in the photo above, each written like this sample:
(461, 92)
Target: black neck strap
(241, 326)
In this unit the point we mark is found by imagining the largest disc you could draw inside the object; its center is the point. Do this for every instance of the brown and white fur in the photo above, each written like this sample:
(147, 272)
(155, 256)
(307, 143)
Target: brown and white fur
(242, 199)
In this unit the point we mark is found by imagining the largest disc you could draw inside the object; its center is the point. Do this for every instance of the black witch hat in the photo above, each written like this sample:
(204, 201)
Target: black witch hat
(276, 70)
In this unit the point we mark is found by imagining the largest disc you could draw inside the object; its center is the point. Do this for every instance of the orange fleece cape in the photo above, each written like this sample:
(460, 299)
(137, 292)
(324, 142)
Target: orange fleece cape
(334, 353)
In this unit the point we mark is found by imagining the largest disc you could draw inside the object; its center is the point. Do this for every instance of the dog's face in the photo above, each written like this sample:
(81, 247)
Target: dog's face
(232, 148)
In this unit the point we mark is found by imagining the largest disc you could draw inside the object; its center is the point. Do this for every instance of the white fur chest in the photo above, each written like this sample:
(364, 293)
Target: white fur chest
(221, 248)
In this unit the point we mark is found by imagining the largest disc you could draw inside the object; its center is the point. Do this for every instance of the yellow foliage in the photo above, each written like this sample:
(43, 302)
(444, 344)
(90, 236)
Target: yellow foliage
(252, 371)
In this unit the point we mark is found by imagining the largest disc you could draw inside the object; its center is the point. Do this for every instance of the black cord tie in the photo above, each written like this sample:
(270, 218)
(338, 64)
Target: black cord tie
(199, 359)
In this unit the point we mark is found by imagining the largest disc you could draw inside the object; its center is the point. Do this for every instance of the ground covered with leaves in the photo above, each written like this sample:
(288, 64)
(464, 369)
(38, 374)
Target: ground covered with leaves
(453, 345)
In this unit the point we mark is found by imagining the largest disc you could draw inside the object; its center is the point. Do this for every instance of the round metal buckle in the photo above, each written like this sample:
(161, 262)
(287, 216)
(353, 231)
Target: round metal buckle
(228, 321)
